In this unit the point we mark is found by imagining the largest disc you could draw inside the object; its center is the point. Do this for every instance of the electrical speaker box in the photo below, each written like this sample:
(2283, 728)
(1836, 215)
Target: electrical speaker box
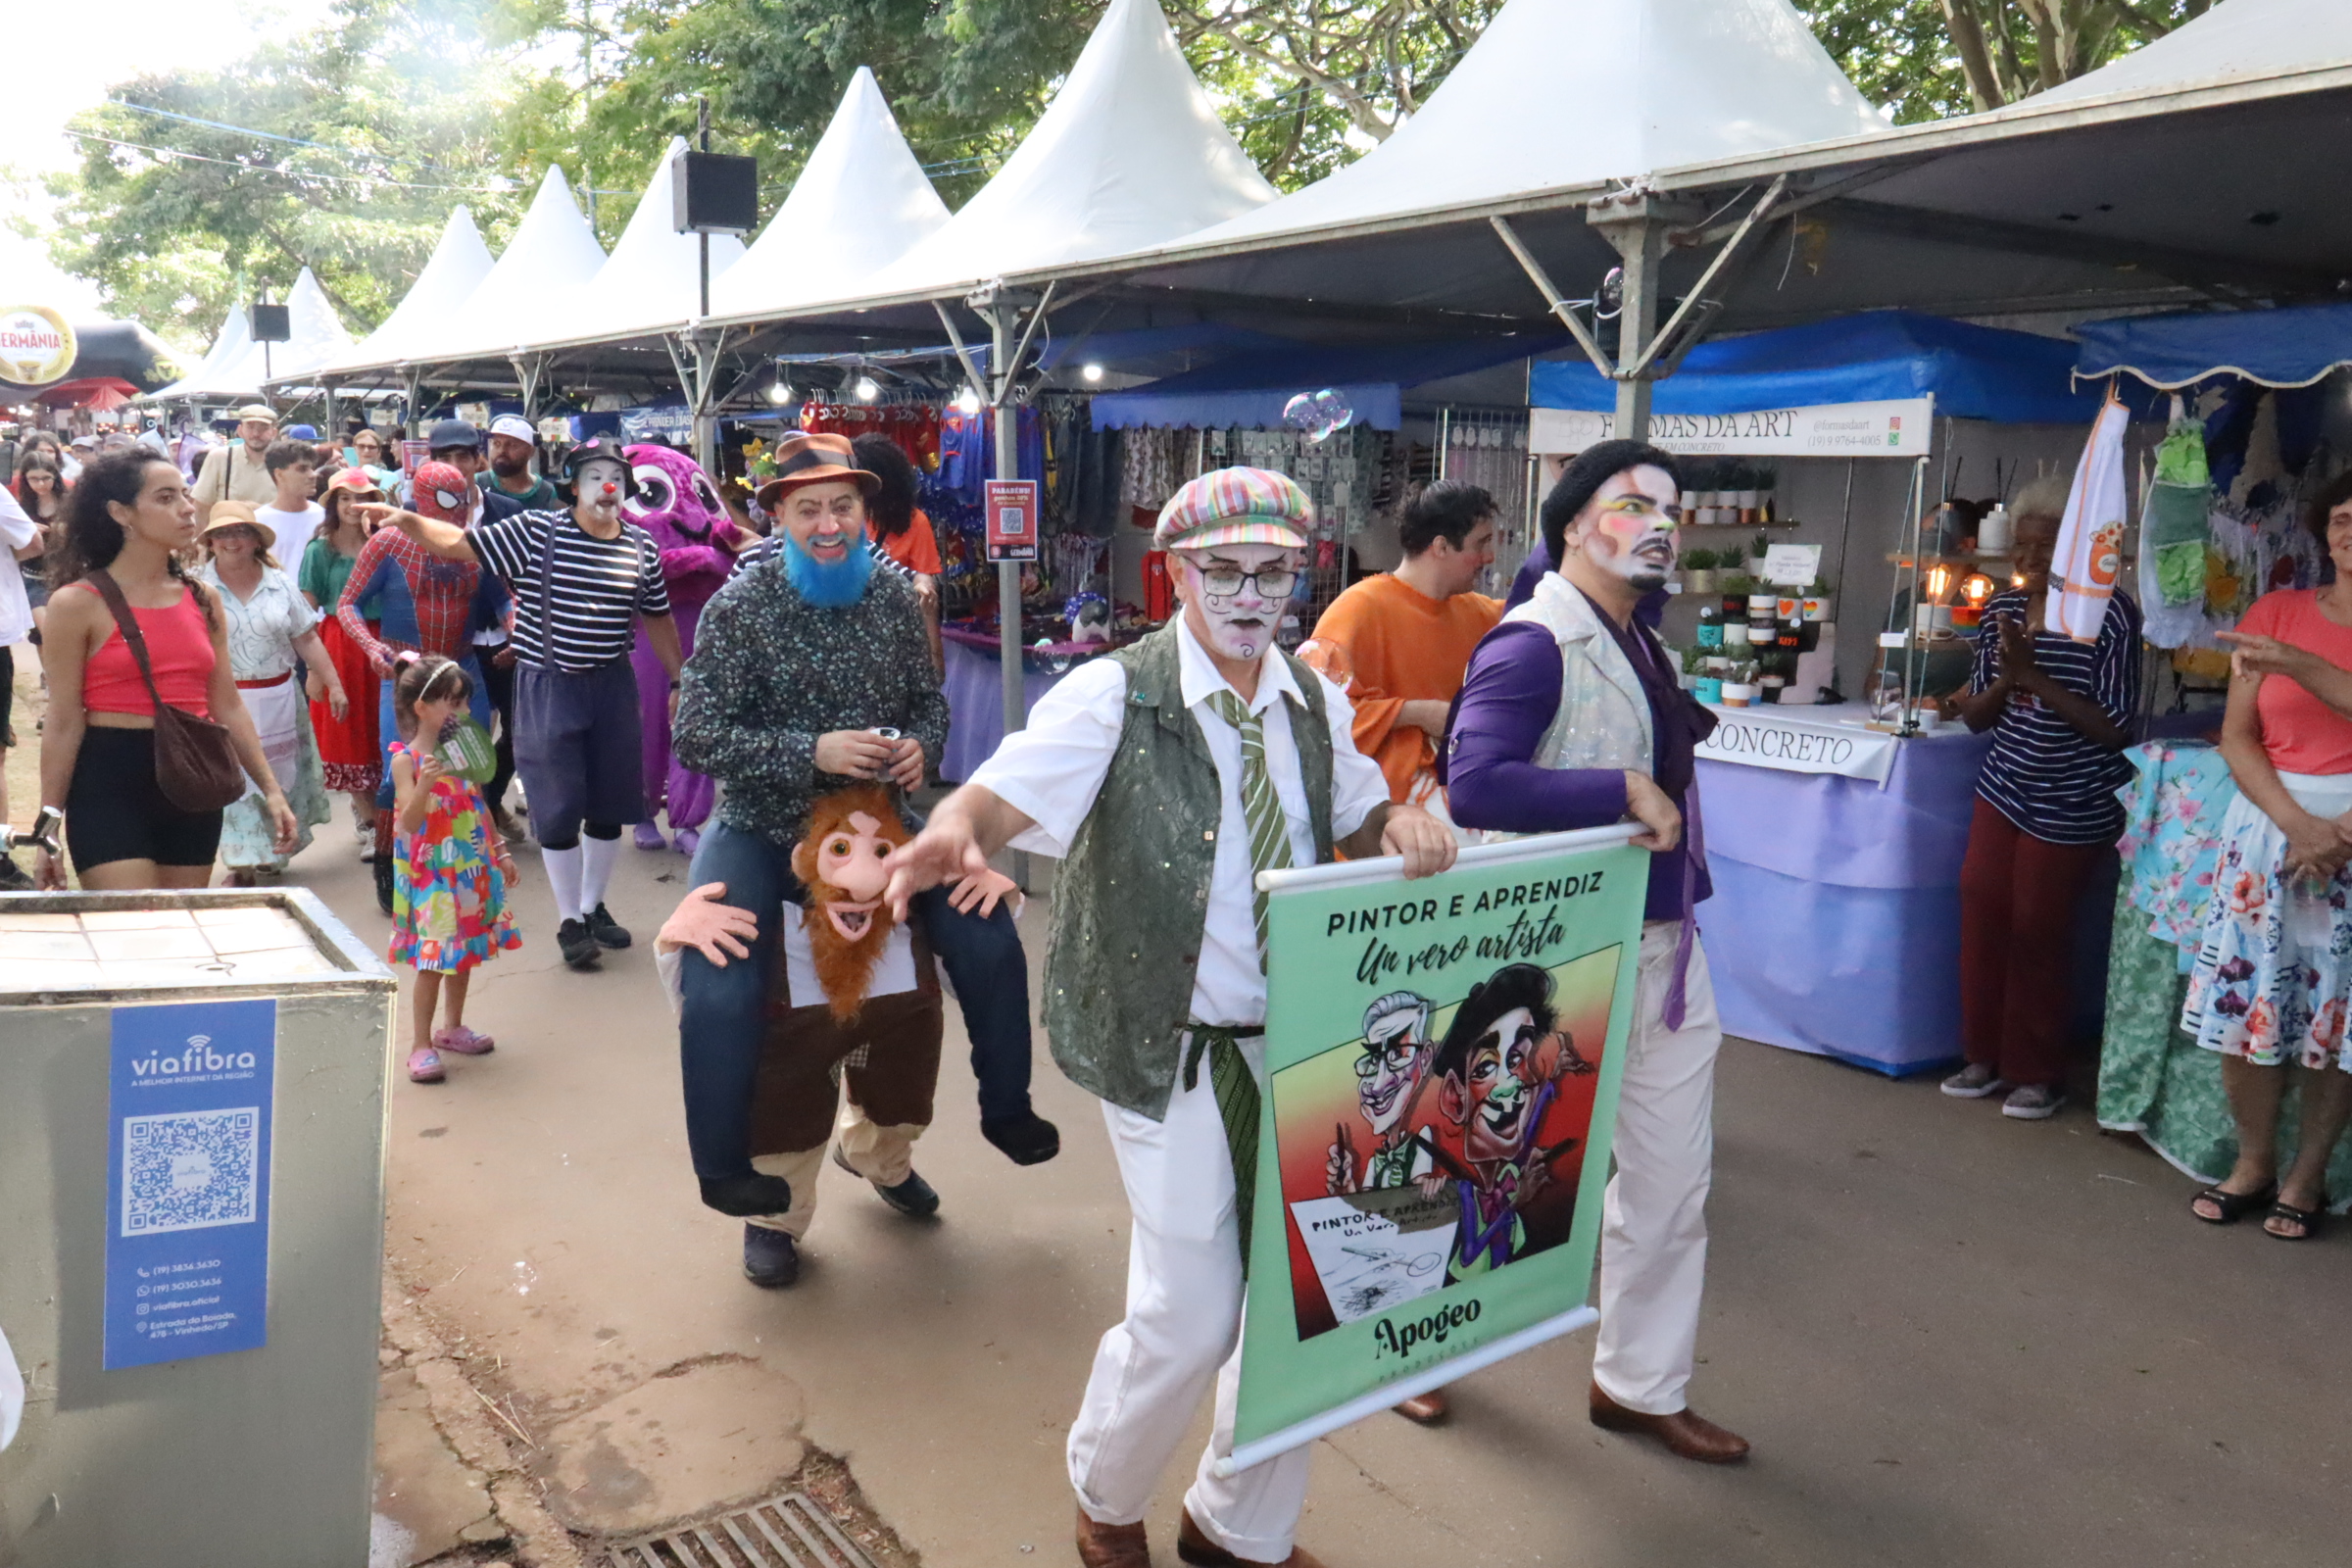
(272, 323)
(715, 193)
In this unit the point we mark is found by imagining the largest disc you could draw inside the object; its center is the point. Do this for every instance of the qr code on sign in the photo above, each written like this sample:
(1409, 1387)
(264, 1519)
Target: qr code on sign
(189, 1170)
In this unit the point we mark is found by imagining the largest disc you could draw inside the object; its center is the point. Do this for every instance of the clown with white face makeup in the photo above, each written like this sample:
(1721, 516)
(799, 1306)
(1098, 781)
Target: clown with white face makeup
(1571, 715)
(1167, 775)
(581, 582)
(1388, 1078)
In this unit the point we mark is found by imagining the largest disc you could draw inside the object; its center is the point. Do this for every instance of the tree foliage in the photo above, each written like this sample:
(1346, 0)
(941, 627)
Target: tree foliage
(1933, 58)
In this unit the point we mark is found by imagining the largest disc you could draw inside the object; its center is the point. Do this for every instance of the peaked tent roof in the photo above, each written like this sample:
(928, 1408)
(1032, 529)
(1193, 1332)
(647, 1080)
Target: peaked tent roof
(2237, 39)
(457, 267)
(229, 351)
(1719, 79)
(651, 281)
(553, 250)
(861, 202)
(1130, 154)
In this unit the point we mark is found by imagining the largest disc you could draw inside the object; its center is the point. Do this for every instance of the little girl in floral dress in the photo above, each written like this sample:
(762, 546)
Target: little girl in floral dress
(448, 898)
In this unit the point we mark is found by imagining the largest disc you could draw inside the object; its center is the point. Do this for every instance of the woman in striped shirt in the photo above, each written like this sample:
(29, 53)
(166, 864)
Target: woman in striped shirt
(2046, 815)
(2273, 980)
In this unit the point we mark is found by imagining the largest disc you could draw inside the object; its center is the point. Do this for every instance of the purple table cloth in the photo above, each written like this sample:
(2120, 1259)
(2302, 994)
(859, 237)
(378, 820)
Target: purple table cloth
(975, 688)
(1835, 928)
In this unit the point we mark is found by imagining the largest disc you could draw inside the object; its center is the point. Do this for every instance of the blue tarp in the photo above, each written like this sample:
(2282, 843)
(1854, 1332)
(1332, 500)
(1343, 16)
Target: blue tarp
(1248, 391)
(2294, 346)
(1975, 373)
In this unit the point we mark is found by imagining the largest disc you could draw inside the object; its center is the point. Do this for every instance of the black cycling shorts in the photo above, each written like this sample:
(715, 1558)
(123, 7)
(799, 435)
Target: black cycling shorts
(115, 811)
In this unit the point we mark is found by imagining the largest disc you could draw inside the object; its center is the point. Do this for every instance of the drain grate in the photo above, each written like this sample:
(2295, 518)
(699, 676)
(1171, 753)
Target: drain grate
(787, 1531)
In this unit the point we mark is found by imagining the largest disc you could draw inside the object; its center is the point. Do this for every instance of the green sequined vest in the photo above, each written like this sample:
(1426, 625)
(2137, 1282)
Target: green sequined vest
(1130, 901)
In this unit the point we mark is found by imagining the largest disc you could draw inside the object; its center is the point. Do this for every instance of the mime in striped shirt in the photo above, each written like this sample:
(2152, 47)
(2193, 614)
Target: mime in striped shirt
(581, 581)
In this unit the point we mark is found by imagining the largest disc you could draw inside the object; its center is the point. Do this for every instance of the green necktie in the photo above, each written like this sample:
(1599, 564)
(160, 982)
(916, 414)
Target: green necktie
(1269, 829)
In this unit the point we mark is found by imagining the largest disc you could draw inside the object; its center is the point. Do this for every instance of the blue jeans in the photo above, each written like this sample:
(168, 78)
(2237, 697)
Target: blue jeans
(724, 1015)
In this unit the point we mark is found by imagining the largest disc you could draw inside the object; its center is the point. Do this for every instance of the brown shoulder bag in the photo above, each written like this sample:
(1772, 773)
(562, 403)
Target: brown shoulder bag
(196, 763)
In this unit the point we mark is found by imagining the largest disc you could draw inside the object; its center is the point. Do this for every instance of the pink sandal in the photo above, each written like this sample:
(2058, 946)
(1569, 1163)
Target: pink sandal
(464, 1041)
(424, 1066)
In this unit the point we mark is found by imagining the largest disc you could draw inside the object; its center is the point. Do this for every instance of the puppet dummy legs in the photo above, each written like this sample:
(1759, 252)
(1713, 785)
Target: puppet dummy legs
(724, 1010)
(1182, 1333)
(894, 1053)
(1653, 1238)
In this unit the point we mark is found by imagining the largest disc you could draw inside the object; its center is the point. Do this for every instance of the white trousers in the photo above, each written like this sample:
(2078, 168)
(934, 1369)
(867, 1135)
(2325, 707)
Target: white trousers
(1182, 1333)
(1653, 1236)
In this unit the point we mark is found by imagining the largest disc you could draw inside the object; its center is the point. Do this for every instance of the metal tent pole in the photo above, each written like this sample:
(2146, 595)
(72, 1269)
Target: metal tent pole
(1008, 466)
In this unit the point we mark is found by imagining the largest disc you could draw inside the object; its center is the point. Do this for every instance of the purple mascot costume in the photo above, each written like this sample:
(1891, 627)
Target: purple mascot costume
(676, 503)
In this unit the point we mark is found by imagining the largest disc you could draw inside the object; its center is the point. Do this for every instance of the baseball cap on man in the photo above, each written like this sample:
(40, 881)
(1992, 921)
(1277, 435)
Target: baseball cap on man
(516, 425)
(439, 491)
(1235, 507)
(450, 433)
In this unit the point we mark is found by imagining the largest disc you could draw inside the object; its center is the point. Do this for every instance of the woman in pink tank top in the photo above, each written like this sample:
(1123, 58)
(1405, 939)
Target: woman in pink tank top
(130, 514)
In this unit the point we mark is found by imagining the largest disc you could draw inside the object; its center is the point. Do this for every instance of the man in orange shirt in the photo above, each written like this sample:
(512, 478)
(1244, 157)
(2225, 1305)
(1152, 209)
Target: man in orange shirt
(1399, 642)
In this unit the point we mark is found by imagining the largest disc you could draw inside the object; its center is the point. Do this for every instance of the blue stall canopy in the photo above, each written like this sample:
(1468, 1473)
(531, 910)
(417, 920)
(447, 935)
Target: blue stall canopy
(1974, 372)
(2294, 345)
(1248, 391)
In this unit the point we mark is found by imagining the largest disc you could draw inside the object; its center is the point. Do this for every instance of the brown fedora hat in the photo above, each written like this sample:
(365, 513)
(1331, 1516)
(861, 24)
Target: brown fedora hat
(804, 459)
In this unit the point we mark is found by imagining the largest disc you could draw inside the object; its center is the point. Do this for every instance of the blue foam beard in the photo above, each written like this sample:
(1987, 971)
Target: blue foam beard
(830, 584)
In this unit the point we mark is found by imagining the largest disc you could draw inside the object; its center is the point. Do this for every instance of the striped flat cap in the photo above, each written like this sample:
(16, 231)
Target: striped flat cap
(1235, 507)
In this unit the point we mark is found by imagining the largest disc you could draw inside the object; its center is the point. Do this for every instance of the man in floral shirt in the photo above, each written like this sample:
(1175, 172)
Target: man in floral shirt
(811, 672)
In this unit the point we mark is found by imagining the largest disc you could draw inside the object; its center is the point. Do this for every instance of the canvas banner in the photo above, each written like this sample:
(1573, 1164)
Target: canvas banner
(1442, 1066)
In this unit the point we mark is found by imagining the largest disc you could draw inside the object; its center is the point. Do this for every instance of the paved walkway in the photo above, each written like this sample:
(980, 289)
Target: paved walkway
(1954, 1339)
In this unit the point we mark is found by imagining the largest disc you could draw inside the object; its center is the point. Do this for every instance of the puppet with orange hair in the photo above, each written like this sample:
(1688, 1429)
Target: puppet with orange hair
(857, 1002)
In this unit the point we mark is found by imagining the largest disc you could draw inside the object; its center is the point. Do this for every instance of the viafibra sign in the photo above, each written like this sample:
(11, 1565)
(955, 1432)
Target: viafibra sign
(36, 345)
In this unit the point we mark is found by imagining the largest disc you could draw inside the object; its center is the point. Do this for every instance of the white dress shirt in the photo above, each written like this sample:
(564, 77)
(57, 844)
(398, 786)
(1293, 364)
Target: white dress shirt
(17, 530)
(1051, 772)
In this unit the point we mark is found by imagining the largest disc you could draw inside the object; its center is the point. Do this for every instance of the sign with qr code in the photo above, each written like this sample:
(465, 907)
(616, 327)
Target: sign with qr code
(187, 1244)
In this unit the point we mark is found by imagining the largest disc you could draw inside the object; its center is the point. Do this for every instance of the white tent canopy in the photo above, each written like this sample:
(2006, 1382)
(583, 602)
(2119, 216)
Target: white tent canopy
(861, 202)
(230, 346)
(237, 366)
(2237, 39)
(450, 276)
(651, 283)
(1129, 154)
(553, 251)
(1562, 93)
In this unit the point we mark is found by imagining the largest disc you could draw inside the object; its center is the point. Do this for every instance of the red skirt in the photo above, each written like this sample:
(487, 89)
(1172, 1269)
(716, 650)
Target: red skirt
(348, 745)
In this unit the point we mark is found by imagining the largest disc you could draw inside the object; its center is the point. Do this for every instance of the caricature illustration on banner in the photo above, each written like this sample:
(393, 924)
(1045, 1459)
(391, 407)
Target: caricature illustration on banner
(187, 1236)
(1441, 1064)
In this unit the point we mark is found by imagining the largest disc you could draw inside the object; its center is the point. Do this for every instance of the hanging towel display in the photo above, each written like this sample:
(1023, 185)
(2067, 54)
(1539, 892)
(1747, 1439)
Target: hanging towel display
(2091, 538)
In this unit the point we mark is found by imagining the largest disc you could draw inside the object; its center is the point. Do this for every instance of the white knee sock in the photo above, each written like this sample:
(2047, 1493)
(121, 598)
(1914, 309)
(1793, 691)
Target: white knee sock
(563, 879)
(598, 854)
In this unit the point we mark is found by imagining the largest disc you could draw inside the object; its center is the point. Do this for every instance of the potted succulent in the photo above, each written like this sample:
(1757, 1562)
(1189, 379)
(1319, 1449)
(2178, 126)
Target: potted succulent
(1731, 581)
(1698, 571)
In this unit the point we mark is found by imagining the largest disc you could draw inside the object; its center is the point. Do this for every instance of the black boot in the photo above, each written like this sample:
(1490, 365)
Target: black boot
(744, 1196)
(913, 1198)
(383, 881)
(1026, 1139)
(770, 1260)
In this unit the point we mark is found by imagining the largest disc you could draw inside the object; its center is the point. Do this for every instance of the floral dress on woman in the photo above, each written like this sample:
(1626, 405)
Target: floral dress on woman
(449, 902)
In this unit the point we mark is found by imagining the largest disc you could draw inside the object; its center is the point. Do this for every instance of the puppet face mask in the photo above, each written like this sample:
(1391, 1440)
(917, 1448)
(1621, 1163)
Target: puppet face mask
(1629, 527)
(1389, 1070)
(849, 834)
(1234, 595)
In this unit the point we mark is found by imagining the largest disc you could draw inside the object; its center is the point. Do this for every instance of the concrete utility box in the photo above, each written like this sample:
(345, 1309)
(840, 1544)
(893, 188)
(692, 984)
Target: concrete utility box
(192, 1098)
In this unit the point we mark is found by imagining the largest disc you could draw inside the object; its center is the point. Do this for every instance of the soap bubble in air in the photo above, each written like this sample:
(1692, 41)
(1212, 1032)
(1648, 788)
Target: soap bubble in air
(525, 1277)
(1318, 416)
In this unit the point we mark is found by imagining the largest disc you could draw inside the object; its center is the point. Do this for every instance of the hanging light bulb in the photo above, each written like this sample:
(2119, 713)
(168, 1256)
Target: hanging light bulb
(967, 401)
(1092, 373)
(1977, 589)
(1940, 579)
(866, 390)
(780, 393)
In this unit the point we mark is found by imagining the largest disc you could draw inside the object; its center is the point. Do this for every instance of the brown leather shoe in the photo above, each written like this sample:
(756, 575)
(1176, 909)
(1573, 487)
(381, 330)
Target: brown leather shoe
(1193, 1546)
(1424, 1409)
(1112, 1545)
(1685, 1433)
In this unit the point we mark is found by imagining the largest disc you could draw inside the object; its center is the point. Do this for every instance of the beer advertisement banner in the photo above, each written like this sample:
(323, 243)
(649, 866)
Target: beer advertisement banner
(1441, 1064)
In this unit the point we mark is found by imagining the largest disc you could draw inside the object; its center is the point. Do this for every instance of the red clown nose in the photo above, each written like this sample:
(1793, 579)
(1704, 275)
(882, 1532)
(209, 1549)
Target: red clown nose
(609, 487)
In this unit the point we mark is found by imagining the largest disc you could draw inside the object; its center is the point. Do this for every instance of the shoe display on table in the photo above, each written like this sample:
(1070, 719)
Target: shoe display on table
(606, 931)
(577, 945)
(913, 1198)
(424, 1066)
(2032, 1101)
(770, 1259)
(1974, 1082)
